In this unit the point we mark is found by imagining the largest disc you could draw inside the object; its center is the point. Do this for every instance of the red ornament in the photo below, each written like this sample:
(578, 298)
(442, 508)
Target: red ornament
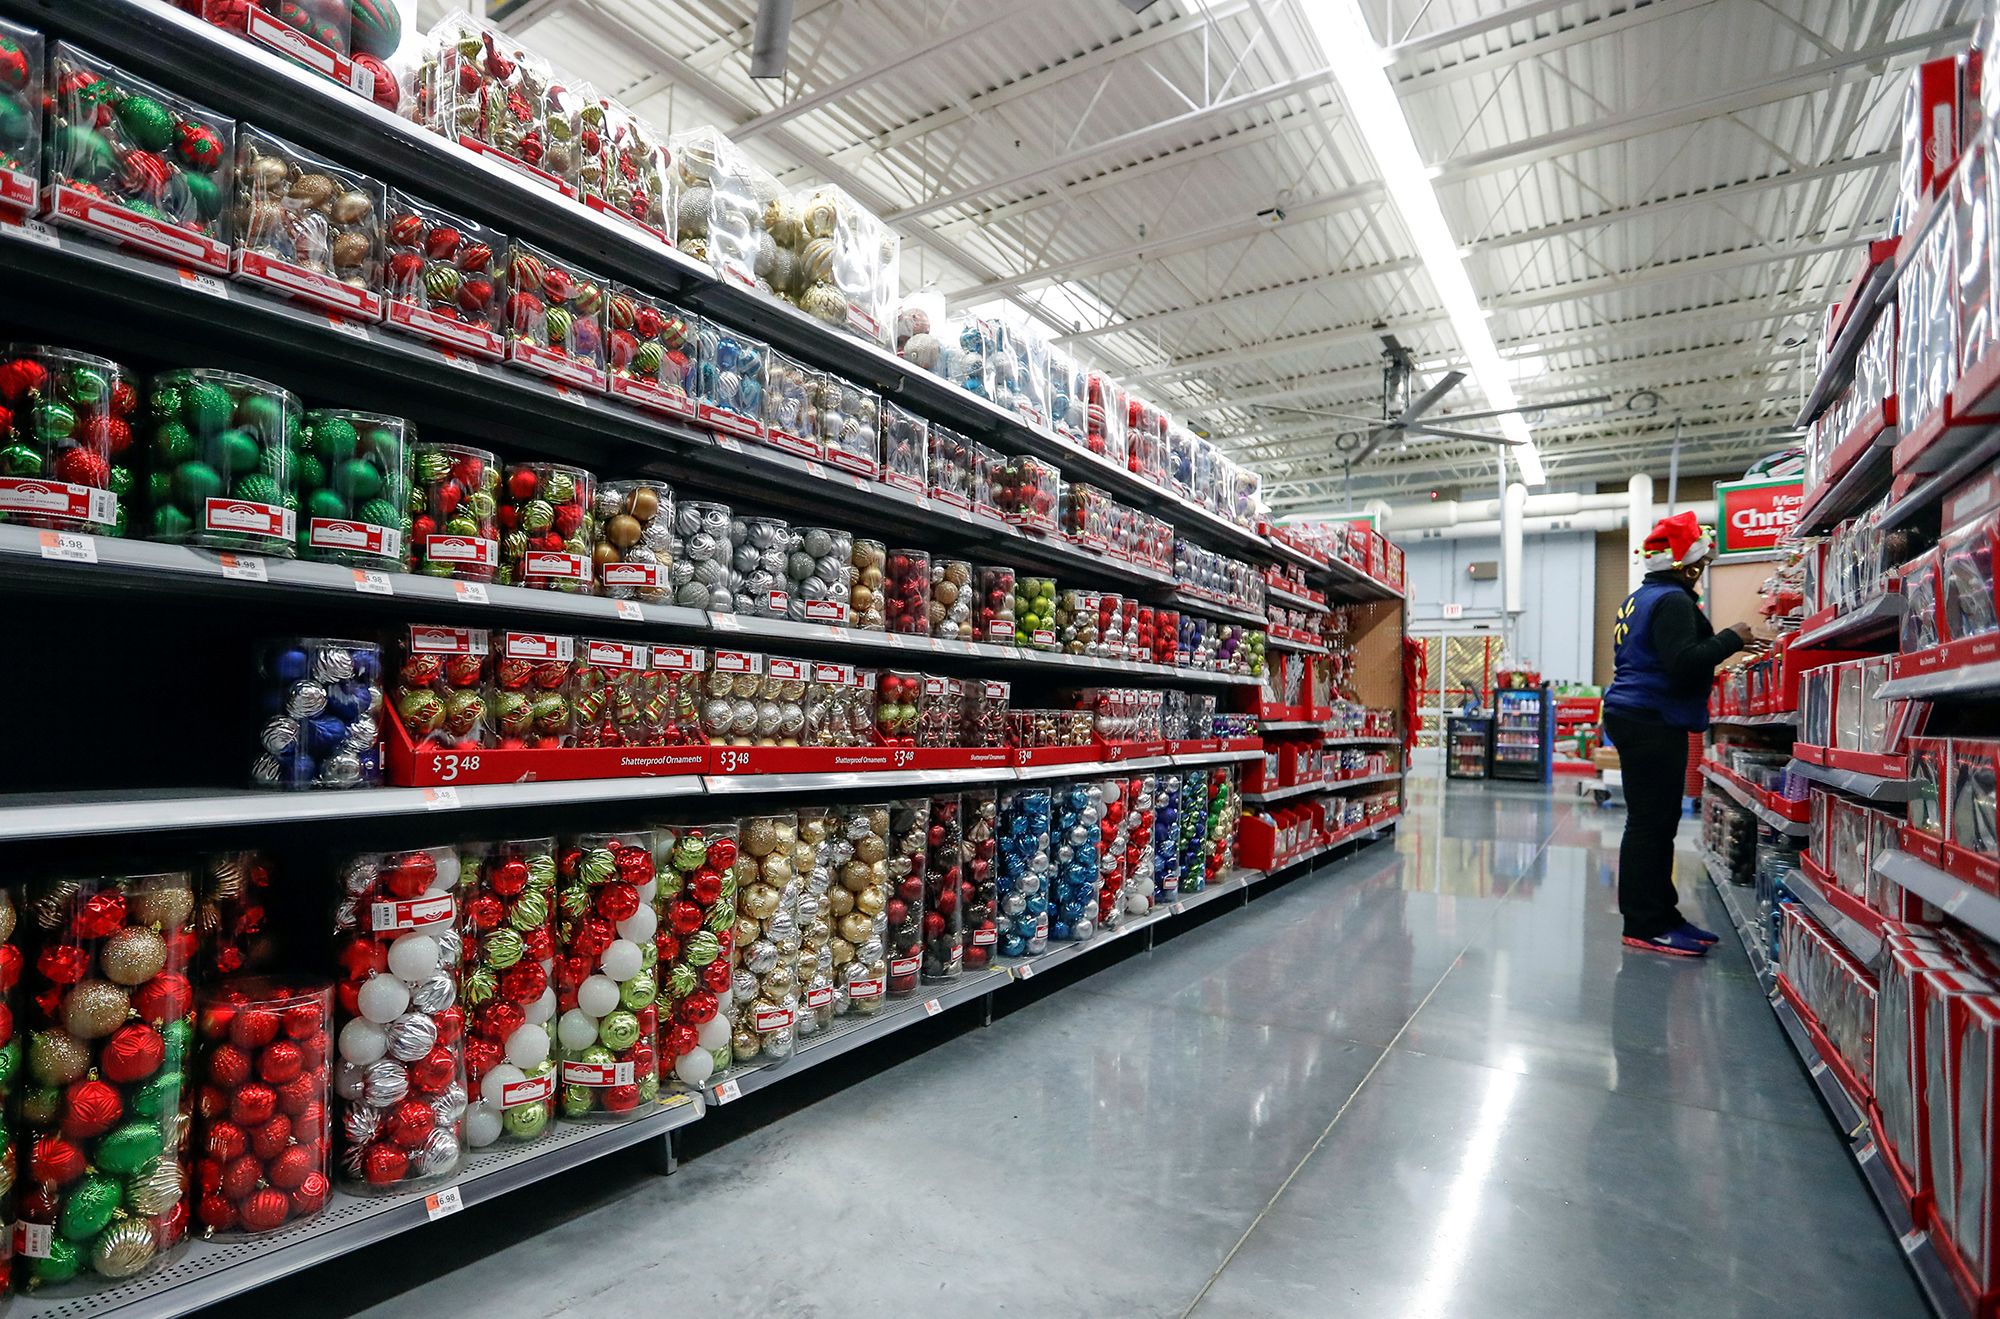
(101, 915)
(282, 1062)
(295, 1096)
(485, 913)
(166, 997)
(618, 901)
(310, 1197)
(450, 1025)
(271, 1139)
(382, 1164)
(20, 377)
(198, 145)
(264, 1210)
(304, 1019)
(523, 982)
(253, 1104)
(683, 917)
(210, 1102)
(132, 1054)
(509, 879)
(621, 1098)
(90, 1108)
(361, 958)
(253, 1028)
(216, 1211)
(721, 853)
(635, 864)
(383, 87)
(499, 1020)
(408, 1123)
(145, 174)
(240, 1176)
(698, 1007)
(170, 1227)
(54, 1160)
(715, 976)
(81, 466)
(403, 269)
(63, 964)
(681, 1039)
(434, 1071)
(413, 875)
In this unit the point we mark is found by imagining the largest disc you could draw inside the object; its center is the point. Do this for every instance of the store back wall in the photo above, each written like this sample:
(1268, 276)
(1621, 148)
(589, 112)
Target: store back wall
(1558, 619)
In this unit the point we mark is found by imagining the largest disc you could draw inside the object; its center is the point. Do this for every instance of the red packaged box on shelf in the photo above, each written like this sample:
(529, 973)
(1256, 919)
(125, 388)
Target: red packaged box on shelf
(319, 36)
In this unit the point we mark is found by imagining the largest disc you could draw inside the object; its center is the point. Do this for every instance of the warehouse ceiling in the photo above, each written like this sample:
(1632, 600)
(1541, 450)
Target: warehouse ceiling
(1654, 201)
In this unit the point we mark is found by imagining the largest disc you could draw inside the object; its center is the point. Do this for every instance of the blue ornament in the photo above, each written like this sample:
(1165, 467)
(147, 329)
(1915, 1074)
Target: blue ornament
(750, 396)
(323, 733)
(367, 663)
(291, 665)
(727, 355)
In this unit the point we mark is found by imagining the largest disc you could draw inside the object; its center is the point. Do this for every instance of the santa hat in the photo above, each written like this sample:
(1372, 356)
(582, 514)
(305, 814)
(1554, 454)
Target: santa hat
(1676, 542)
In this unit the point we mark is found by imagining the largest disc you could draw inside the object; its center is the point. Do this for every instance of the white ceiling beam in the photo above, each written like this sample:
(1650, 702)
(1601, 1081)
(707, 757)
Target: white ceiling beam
(1592, 28)
(1497, 17)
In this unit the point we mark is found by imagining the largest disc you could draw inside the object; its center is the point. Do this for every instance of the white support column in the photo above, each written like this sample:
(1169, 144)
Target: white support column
(1637, 524)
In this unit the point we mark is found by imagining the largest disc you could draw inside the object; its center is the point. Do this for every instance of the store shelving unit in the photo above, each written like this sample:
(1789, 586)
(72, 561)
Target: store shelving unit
(1869, 787)
(1754, 800)
(1782, 719)
(1879, 617)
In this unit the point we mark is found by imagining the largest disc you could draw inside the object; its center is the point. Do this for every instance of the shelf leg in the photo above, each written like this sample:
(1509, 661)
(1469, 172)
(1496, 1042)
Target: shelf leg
(666, 1156)
(986, 1009)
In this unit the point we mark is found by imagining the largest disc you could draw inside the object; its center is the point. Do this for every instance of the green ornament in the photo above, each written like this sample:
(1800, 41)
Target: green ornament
(172, 443)
(649, 955)
(618, 1031)
(195, 483)
(83, 154)
(146, 122)
(358, 479)
(59, 1265)
(502, 948)
(171, 525)
(10, 1062)
(558, 323)
(432, 466)
(208, 407)
(537, 516)
(647, 360)
(140, 206)
(598, 1056)
(160, 488)
(596, 866)
(85, 385)
(380, 513)
(13, 124)
(561, 487)
(681, 981)
(258, 488)
(205, 195)
(159, 1097)
(121, 480)
(333, 439)
(480, 985)
(52, 422)
(20, 460)
(377, 27)
(576, 1101)
(436, 568)
(649, 1088)
(178, 1036)
(326, 504)
(277, 461)
(636, 994)
(263, 414)
(527, 1121)
(481, 504)
(89, 1208)
(239, 451)
(129, 1148)
(531, 911)
(702, 947)
(541, 873)
(721, 916)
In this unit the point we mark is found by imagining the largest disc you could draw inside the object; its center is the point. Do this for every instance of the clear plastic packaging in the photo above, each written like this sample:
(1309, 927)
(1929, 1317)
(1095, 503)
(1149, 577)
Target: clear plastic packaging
(554, 318)
(966, 355)
(1104, 424)
(21, 101)
(633, 557)
(233, 915)
(321, 709)
(354, 473)
(442, 676)
(722, 212)
(604, 976)
(759, 549)
(261, 1045)
(952, 601)
(850, 425)
(867, 599)
(898, 697)
(1023, 365)
(1028, 491)
(308, 228)
(819, 575)
(1035, 612)
(839, 707)
(950, 468)
(701, 557)
(454, 507)
(1079, 807)
(696, 902)
(531, 704)
(993, 604)
(821, 831)
(944, 875)
(857, 904)
(548, 528)
(730, 380)
(909, 831)
(477, 86)
(626, 169)
(1146, 446)
(223, 474)
(940, 711)
(1076, 623)
(906, 587)
(135, 165)
(985, 716)
(400, 1078)
(507, 927)
(1085, 515)
(789, 416)
(986, 464)
(108, 1013)
(1167, 838)
(905, 449)
(1068, 391)
(730, 692)
(1024, 864)
(771, 868)
(978, 894)
(651, 350)
(848, 266)
(622, 699)
(440, 275)
(66, 456)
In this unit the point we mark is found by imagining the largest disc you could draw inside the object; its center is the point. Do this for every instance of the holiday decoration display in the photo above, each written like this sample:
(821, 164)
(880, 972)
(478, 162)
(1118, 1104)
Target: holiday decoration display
(952, 600)
(965, 355)
(985, 718)
(696, 899)
(66, 456)
(867, 597)
(905, 449)
(315, 33)
(625, 168)
(897, 696)
(847, 269)
(1076, 621)
(651, 348)
(1035, 612)
(857, 907)
(944, 874)
(1146, 445)
(772, 865)
(790, 418)
(507, 925)
(224, 462)
(476, 86)
(1024, 865)
(758, 551)
(978, 894)
(633, 556)
(321, 706)
(441, 276)
(701, 557)
(21, 64)
(306, 227)
(606, 974)
(819, 575)
(727, 206)
(232, 915)
(1027, 491)
(992, 605)
(1079, 809)
(839, 707)
(730, 378)
(821, 829)
(1104, 417)
(1068, 416)
(135, 165)
(354, 471)
(623, 699)
(553, 316)
(850, 425)
(442, 677)
(454, 511)
(548, 527)
(105, 1104)
(906, 589)
(907, 865)
(940, 711)
(950, 468)
(732, 692)
(262, 1126)
(1167, 838)
(531, 703)
(400, 1078)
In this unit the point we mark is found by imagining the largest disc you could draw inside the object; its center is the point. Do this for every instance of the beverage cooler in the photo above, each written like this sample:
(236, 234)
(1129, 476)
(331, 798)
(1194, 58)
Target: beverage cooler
(1466, 746)
(1523, 734)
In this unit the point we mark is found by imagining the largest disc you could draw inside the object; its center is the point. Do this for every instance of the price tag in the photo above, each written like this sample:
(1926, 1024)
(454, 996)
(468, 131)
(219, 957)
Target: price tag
(837, 632)
(1025, 971)
(814, 470)
(1865, 1153)
(469, 365)
(32, 231)
(728, 443)
(35, 1240)
(471, 593)
(724, 623)
(630, 610)
(727, 1091)
(1913, 1240)
(1817, 1070)
(208, 284)
(71, 548)
(932, 1007)
(369, 582)
(442, 1204)
(1955, 901)
(244, 568)
(441, 799)
(352, 329)
(1177, 908)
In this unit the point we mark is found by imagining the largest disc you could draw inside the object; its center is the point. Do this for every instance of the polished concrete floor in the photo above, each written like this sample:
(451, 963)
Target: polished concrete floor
(1424, 1082)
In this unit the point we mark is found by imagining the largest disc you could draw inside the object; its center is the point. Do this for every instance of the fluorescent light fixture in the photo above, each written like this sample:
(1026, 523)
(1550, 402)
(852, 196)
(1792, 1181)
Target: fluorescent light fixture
(1360, 68)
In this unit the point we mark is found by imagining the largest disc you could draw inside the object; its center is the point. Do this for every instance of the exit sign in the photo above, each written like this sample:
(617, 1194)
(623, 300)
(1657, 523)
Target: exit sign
(1454, 611)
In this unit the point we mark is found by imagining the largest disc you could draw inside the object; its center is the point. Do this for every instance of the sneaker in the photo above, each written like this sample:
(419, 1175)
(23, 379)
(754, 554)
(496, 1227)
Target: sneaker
(1699, 935)
(1674, 943)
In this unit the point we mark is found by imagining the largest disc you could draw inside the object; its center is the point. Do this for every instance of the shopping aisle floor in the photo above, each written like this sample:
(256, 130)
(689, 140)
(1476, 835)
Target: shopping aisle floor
(1426, 1082)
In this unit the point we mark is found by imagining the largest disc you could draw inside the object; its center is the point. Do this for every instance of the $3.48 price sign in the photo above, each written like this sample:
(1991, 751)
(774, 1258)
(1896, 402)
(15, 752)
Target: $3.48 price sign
(731, 761)
(447, 765)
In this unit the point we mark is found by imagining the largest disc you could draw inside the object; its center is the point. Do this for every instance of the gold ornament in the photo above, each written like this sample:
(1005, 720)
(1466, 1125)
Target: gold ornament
(52, 904)
(162, 900)
(133, 955)
(228, 876)
(94, 1008)
(820, 217)
(125, 1248)
(155, 1190)
(56, 1057)
(6, 915)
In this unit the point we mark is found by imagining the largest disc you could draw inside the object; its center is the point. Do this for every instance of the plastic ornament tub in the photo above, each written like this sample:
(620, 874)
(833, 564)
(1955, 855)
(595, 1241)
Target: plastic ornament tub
(66, 456)
(696, 905)
(262, 1045)
(322, 709)
(857, 906)
(222, 470)
(605, 978)
(507, 923)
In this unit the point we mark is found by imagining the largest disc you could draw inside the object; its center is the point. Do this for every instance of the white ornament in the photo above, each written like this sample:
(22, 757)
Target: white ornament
(482, 1123)
(640, 926)
(383, 999)
(493, 1086)
(621, 962)
(694, 1067)
(362, 1042)
(528, 1046)
(413, 958)
(447, 869)
(713, 1033)
(597, 997)
(576, 1031)
(543, 1009)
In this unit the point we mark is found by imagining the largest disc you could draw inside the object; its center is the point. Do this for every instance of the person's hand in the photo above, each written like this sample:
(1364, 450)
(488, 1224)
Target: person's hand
(1750, 635)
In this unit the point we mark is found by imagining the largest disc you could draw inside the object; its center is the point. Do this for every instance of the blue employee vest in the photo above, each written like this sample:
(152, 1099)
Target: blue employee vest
(1639, 685)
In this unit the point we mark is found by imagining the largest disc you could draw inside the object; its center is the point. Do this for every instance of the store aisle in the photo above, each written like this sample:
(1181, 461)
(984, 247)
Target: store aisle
(1427, 1082)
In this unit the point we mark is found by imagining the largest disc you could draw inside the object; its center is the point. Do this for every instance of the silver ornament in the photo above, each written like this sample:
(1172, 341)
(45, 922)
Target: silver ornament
(332, 665)
(434, 995)
(360, 1123)
(438, 1154)
(281, 734)
(385, 1082)
(305, 699)
(449, 1106)
(411, 1036)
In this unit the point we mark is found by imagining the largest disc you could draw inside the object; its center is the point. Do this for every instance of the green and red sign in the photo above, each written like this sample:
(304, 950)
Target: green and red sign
(1756, 515)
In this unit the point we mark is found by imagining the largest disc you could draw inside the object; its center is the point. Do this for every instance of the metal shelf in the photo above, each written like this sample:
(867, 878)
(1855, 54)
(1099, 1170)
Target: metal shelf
(1200, 758)
(1864, 481)
(1870, 786)
(1793, 828)
(1881, 616)
(213, 1271)
(1965, 680)
(1292, 599)
(1944, 890)
(1337, 740)
(1929, 493)
(1364, 781)
(1360, 834)
(1783, 718)
(1289, 725)
(1861, 942)
(1286, 794)
(1189, 603)
(1272, 641)
(1879, 279)
(1345, 582)
(1744, 924)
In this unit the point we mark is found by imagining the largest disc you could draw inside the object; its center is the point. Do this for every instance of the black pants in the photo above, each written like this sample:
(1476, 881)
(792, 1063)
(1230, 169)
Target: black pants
(1654, 759)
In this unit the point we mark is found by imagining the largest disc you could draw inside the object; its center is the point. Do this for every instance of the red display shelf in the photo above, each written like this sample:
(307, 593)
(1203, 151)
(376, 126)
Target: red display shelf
(1959, 654)
(1797, 812)
(1829, 1055)
(411, 766)
(1978, 869)
(1840, 899)
(1879, 765)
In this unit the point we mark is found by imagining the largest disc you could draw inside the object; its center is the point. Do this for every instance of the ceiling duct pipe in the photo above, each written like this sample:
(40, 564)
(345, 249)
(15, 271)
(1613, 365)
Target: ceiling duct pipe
(771, 40)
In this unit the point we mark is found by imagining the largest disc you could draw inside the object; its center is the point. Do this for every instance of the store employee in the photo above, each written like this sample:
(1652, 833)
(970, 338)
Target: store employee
(1664, 662)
